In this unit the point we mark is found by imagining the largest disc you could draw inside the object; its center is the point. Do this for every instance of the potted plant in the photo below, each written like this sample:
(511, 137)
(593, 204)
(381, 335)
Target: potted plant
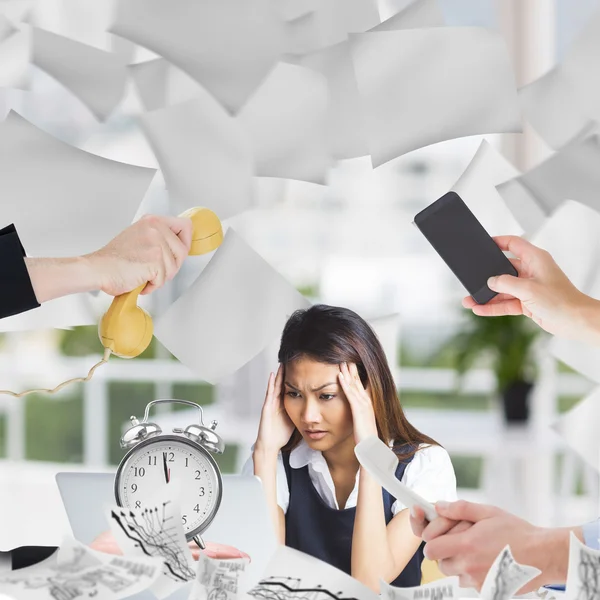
(507, 342)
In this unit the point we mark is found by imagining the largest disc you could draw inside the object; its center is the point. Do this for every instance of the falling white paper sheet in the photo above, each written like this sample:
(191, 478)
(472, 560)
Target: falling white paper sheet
(219, 579)
(506, 576)
(63, 201)
(293, 9)
(422, 86)
(239, 304)
(417, 15)
(552, 106)
(96, 77)
(443, 589)
(581, 66)
(583, 580)
(61, 313)
(15, 56)
(572, 236)
(583, 358)
(291, 571)
(345, 123)
(6, 28)
(226, 46)
(570, 174)
(160, 84)
(156, 531)
(329, 24)
(286, 120)
(204, 154)
(17, 10)
(476, 186)
(579, 428)
(77, 571)
(524, 207)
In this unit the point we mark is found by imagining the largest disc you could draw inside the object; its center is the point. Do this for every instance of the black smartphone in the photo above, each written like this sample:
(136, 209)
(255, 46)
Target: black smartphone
(466, 247)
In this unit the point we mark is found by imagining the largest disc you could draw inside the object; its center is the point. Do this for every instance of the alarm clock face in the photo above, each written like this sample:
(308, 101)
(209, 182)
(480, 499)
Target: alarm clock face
(156, 462)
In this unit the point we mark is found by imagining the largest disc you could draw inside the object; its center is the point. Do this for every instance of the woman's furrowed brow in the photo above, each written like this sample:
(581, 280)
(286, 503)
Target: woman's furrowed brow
(314, 389)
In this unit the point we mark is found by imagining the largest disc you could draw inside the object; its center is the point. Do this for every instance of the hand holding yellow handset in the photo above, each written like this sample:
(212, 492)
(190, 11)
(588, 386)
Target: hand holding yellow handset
(126, 329)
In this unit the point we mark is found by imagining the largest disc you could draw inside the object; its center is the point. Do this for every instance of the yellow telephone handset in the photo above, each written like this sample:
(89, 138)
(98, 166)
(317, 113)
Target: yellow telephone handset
(126, 329)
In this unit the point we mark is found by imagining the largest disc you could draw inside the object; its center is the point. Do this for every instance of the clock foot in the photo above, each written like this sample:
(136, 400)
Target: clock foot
(200, 542)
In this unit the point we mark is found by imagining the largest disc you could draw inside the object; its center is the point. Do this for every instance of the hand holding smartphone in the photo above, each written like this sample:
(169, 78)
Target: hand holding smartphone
(464, 245)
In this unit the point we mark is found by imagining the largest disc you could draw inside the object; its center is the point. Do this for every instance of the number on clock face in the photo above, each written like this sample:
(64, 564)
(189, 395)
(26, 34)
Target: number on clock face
(155, 465)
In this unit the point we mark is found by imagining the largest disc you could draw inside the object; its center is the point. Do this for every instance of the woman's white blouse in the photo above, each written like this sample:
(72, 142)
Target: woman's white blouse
(430, 473)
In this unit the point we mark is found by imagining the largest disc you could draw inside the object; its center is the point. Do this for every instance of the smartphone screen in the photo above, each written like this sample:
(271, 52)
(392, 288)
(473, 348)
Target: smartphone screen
(466, 247)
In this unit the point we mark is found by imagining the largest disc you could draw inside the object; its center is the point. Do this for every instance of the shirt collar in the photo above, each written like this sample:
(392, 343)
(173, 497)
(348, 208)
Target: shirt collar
(303, 455)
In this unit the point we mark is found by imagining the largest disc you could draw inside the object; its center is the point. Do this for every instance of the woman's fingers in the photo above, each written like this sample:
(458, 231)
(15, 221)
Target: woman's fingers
(270, 385)
(278, 386)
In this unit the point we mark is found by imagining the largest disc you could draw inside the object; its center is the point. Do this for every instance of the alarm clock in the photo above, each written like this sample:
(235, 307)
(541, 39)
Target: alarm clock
(155, 459)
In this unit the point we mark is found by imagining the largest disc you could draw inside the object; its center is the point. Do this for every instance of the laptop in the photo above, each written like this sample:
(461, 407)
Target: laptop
(242, 520)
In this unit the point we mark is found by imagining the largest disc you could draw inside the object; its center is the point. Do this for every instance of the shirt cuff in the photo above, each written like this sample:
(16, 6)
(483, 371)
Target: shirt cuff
(14, 276)
(591, 534)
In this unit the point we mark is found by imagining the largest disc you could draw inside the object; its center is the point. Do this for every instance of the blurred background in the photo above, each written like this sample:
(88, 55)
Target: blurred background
(487, 390)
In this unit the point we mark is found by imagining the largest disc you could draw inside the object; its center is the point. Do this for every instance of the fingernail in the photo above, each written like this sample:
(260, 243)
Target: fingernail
(492, 282)
(341, 375)
(442, 504)
(425, 551)
(412, 512)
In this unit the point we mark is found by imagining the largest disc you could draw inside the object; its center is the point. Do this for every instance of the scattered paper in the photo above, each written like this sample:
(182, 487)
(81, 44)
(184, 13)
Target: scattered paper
(96, 77)
(294, 9)
(75, 571)
(506, 576)
(239, 304)
(329, 24)
(436, 590)
(156, 531)
(476, 187)
(291, 573)
(345, 124)
(286, 122)
(583, 578)
(572, 236)
(219, 579)
(524, 207)
(63, 201)
(17, 10)
(583, 358)
(570, 174)
(15, 56)
(579, 428)
(417, 15)
(227, 47)
(407, 108)
(6, 28)
(552, 106)
(160, 84)
(580, 66)
(204, 154)
(84, 21)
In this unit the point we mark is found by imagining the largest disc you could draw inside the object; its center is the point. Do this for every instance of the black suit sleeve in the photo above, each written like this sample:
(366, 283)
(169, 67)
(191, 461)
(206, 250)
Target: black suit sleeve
(25, 556)
(16, 291)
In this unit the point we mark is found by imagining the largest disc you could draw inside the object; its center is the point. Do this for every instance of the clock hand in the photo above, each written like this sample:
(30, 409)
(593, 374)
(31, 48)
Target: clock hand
(165, 467)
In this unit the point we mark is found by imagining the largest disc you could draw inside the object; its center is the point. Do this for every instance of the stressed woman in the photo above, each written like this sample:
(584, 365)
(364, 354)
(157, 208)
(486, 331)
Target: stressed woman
(333, 389)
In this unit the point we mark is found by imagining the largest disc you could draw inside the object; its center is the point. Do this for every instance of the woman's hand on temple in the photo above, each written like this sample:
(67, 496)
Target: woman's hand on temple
(361, 404)
(275, 427)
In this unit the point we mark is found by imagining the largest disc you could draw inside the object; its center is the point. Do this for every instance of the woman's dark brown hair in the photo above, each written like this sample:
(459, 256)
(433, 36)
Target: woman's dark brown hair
(333, 335)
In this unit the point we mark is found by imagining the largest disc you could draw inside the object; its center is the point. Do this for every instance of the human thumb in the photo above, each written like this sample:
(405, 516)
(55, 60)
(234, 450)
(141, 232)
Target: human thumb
(506, 284)
(464, 511)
